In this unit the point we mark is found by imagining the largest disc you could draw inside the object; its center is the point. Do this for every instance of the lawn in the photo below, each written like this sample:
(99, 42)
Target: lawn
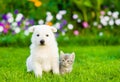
(92, 64)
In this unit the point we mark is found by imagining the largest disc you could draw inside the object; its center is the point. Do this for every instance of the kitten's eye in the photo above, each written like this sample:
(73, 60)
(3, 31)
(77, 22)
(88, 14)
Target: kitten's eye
(68, 61)
(38, 35)
(47, 35)
(63, 60)
(71, 61)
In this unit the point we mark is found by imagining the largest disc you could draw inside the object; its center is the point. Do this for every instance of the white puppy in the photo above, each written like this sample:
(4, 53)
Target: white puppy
(44, 51)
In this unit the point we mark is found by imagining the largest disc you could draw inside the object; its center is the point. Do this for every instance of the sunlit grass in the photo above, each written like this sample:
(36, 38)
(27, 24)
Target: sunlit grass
(92, 64)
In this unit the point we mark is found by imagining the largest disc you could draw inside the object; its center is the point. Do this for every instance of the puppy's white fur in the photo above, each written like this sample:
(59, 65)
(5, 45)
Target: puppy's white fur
(43, 57)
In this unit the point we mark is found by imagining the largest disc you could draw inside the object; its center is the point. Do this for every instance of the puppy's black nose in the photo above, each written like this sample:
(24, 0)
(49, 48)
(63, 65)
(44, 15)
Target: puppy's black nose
(42, 42)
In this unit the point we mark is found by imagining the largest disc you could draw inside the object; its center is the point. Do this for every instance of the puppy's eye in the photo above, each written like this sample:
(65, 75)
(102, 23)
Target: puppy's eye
(38, 35)
(47, 35)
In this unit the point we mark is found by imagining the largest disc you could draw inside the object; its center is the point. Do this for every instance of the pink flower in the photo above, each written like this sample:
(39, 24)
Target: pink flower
(5, 30)
(76, 32)
(102, 12)
(85, 24)
(99, 26)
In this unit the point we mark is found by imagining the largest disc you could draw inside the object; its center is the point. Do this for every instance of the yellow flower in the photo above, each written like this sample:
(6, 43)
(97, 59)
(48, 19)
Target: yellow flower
(7, 26)
(49, 23)
(37, 3)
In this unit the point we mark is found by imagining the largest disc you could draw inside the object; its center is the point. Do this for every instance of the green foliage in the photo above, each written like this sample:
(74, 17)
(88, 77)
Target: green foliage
(92, 64)
(14, 40)
(91, 6)
(87, 10)
(84, 6)
(82, 40)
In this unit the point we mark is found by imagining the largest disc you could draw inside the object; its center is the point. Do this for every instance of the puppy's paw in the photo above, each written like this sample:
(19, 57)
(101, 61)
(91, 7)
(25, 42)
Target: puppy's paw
(38, 75)
(56, 72)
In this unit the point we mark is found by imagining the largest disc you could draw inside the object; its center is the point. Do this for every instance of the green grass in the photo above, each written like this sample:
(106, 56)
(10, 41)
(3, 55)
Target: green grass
(92, 64)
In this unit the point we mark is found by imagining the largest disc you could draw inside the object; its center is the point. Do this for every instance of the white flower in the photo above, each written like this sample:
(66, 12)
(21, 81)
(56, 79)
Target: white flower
(106, 18)
(17, 30)
(41, 22)
(111, 22)
(95, 23)
(101, 17)
(62, 12)
(27, 23)
(115, 14)
(117, 21)
(58, 16)
(19, 17)
(48, 13)
(10, 20)
(63, 33)
(49, 18)
(103, 22)
(75, 16)
(9, 15)
(14, 24)
(1, 28)
(109, 13)
(101, 34)
(26, 32)
(78, 20)
(57, 25)
(70, 26)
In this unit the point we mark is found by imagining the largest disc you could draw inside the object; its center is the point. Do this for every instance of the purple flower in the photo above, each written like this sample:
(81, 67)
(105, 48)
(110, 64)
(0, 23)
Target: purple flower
(19, 23)
(31, 22)
(26, 27)
(23, 18)
(1, 24)
(61, 26)
(64, 22)
(4, 17)
(56, 34)
(16, 11)
(13, 32)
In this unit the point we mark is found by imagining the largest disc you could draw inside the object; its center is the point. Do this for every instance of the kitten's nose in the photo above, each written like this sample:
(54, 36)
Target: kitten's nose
(42, 42)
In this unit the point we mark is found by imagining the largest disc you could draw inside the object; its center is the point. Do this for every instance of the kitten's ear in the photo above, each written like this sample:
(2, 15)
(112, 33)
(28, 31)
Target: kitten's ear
(61, 53)
(73, 55)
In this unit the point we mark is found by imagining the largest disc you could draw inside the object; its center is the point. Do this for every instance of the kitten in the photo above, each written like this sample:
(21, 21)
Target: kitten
(66, 62)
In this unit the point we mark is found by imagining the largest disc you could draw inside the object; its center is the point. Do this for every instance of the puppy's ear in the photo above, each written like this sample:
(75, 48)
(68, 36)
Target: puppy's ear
(31, 29)
(53, 29)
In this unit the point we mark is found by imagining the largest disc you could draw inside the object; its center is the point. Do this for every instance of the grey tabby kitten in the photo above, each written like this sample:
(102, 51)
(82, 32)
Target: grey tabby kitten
(66, 62)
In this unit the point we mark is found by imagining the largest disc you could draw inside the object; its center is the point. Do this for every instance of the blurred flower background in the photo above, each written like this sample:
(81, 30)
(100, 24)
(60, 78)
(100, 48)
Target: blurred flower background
(83, 22)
